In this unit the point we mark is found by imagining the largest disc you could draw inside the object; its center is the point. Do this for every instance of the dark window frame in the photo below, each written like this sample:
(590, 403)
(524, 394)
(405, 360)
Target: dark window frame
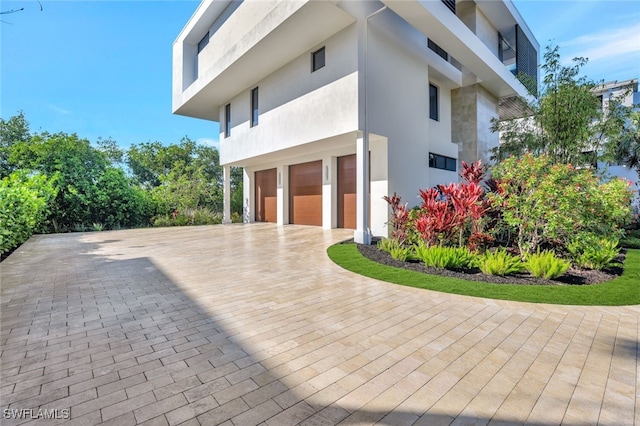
(443, 162)
(434, 102)
(227, 121)
(318, 59)
(255, 112)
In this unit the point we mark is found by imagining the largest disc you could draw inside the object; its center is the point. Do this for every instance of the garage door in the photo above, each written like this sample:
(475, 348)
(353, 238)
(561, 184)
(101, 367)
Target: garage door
(305, 193)
(347, 192)
(266, 190)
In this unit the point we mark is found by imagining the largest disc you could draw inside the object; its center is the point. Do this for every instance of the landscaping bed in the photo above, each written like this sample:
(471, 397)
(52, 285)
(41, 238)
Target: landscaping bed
(573, 276)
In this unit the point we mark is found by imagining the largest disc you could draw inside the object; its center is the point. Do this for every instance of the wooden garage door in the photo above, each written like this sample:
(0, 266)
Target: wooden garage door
(347, 192)
(305, 193)
(266, 190)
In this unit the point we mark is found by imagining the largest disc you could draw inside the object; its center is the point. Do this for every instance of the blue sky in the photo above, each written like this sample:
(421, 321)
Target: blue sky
(103, 68)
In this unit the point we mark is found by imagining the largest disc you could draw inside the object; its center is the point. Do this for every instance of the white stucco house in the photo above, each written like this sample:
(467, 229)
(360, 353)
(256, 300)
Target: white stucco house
(330, 105)
(625, 92)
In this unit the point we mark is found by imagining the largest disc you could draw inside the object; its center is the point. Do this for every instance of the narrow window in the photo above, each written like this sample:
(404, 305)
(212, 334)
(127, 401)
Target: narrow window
(203, 43)
(254, 107)
(433, 102)
(438, 161)
(317, 59)
(227, 121)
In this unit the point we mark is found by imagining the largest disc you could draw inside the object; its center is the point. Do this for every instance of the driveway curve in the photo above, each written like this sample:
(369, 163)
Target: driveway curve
(253, 324)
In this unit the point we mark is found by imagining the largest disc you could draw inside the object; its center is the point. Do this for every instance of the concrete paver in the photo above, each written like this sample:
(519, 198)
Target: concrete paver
(253, 324)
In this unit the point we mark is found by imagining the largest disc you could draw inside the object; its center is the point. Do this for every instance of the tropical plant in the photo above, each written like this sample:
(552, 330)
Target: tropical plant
(545, 264)
(394, 248)
(500, 262)
(567, 121)
(437, 256)
(545, 202)
(592, 252)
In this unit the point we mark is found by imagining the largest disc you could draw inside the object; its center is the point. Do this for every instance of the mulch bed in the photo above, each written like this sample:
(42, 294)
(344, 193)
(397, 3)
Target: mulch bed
(571, 277)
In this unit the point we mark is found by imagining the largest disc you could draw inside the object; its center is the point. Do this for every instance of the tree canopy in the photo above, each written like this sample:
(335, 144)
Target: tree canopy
(567, 121)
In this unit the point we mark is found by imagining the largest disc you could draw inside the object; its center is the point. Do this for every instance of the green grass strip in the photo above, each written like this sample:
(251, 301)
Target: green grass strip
(624, 290)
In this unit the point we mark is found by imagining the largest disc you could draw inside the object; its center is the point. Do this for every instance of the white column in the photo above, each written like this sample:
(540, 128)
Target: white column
(362, 234)
(283, 194)
(327, 199)
(226, 182)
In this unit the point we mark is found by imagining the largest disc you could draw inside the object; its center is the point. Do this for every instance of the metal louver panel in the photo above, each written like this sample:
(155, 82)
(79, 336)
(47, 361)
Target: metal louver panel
(526, 62)
(451, 4)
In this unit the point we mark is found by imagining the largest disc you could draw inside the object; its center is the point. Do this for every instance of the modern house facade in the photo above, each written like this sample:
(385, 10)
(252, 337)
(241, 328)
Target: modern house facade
(331, 105)
(626, 93)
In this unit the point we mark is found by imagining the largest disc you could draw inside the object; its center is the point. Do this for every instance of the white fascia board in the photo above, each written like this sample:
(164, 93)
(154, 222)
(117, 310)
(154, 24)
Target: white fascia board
(436, 21)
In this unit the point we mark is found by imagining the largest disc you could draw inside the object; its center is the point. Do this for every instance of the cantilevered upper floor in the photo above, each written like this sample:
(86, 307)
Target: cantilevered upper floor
(229, 45)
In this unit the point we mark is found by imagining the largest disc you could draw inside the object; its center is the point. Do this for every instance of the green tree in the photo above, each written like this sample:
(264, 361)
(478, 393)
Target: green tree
(184, 175)
(546, 203)
(13, 131)
(567, 121)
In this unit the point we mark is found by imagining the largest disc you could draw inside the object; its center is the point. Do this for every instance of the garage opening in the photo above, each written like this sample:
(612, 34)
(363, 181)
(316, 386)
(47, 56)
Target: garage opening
(305, 193)
(266, 196)
(347, 192)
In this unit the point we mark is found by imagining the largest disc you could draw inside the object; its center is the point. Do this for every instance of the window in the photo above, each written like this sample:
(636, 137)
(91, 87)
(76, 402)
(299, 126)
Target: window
(317, 59)
(433, 102)
(227, 121)
(439, 50)
(451, 4)
(203, 43)
(254, 107)
(441, 162)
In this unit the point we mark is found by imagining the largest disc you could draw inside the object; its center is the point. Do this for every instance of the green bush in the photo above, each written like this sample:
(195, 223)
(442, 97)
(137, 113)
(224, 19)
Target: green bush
(591, 252)
(24, 202)
(500, 263)
(394, 248)
(445, 257)
(187, 217)
(546, 264)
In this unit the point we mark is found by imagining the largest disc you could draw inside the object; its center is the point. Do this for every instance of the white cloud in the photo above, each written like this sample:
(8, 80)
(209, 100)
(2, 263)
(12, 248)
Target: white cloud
(612, 43)
(58, 109)
(209, 141)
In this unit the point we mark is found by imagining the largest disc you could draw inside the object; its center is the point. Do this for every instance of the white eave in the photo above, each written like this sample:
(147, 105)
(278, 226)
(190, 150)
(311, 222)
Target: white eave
(436, 21)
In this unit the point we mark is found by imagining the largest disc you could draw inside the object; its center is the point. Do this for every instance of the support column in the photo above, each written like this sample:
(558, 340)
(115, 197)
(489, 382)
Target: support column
(226, 209)
(362, 234)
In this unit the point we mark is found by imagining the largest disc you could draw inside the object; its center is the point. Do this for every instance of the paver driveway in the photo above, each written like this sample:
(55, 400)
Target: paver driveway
(253, 324)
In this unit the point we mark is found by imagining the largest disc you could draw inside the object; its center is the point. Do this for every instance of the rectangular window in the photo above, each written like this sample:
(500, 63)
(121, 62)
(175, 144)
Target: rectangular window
(227, 121)
(451, 4)
(439, 50)
(433, 102)
(254, 107)
(317, 59)
(203, 43)
(441, 162)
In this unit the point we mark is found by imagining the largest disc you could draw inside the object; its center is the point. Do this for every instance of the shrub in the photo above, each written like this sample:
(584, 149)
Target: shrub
(445, 257)
(543, 202)
(546, 265)
(500, 263)
(24, 201)
(394, 248)
(590, 252)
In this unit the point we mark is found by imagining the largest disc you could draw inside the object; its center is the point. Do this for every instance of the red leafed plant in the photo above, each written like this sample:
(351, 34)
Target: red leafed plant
(454, 210)
(399, 219)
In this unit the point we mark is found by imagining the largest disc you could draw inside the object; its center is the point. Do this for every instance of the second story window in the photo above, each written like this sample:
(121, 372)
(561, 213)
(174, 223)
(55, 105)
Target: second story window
(254, 107)
(317, 59)
(439, 50)
(203, 43)
(227, 121)
(433, 102)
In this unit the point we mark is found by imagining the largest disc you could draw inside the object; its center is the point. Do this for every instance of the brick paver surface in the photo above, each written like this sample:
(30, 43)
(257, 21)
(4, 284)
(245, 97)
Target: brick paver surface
(253, 324)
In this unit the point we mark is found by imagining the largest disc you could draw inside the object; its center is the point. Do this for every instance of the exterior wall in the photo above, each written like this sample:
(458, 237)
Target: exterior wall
(375, 82)
(297, 106)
